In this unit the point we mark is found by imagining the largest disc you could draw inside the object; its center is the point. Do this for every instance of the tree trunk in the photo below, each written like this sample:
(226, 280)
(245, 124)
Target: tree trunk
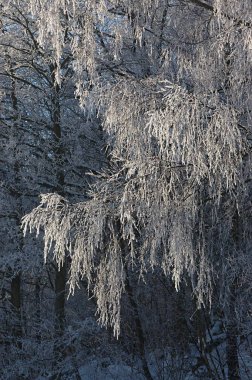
(38, 309)
(137, 319)
(16, 280)
(232, 352)
(59, 311)
(60, 277)
(232, 334)
(139, 328)
(59, 305)
(16, 303)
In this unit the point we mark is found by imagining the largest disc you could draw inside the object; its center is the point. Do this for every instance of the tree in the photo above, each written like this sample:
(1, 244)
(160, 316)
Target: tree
(170, 81)
(46, 145)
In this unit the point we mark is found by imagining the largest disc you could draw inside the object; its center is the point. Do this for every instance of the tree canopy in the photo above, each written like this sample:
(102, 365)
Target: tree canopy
(132, 121)
(170, 81)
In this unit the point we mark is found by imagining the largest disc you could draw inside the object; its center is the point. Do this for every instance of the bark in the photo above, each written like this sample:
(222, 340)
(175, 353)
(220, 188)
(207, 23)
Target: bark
(16, 303)
(16, 280)
(232, 352)
(59, 305)
(139, 328)
(137, 319)
(38, 309)
(60, 276)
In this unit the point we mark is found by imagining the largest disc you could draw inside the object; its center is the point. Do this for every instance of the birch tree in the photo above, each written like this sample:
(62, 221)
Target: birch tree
(171, 83)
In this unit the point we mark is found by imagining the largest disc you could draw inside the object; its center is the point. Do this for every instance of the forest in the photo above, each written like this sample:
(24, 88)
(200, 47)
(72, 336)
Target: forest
(125, 189)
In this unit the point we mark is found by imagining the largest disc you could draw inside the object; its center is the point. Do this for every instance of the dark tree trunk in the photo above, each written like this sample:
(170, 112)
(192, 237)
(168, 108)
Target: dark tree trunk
(60, 275)
(16, 292)
(59, 305)
(138, 324)
(232, 334)
(16, 303)
(232, 352)
(16, 280)
(139, 328)
(38, 309)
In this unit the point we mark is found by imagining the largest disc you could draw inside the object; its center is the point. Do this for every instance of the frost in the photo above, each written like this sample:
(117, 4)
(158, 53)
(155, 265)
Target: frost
(177, 122)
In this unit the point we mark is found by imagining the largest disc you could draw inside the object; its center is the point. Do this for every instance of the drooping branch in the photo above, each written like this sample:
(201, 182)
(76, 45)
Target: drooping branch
(237, 21)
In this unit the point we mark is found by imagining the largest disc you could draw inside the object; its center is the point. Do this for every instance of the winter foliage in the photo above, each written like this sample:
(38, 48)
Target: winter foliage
(142, 132)
(178, 138)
